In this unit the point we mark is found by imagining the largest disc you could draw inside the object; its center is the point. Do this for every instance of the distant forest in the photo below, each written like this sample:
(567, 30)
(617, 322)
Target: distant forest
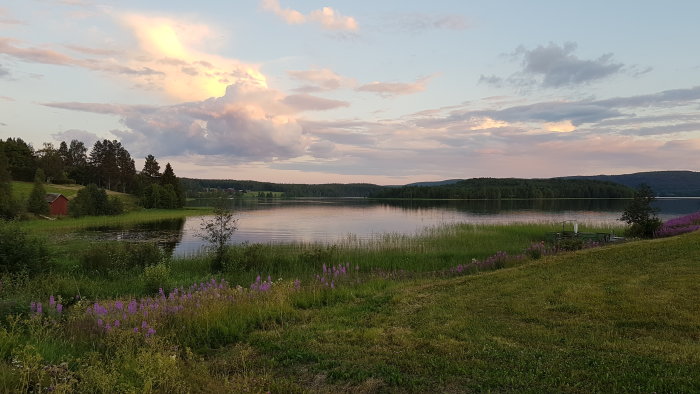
(663, 183)
(198, 186)
(510, 188)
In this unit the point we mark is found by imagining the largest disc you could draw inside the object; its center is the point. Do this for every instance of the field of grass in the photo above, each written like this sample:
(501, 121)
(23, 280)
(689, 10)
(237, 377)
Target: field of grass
(22, 190)
(385, 316)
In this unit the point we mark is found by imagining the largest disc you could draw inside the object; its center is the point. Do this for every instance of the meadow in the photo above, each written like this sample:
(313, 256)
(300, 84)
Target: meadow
(457, 308)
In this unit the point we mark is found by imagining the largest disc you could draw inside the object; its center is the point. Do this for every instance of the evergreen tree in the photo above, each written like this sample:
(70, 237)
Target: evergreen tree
(8, 205)
(169, 178)
(37, 199)
(151, 168)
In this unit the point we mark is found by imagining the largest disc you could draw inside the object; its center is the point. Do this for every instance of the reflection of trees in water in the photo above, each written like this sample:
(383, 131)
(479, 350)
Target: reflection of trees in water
(168, 233)
(498, 206)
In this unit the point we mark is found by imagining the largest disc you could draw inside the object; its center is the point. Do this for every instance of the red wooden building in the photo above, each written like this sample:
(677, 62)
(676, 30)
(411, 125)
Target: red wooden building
(58, 204)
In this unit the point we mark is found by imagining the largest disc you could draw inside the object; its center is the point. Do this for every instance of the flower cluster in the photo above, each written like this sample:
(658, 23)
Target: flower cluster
(330, 276)
(680, 225)
(143, 315)
(260, 285)
(55, 306)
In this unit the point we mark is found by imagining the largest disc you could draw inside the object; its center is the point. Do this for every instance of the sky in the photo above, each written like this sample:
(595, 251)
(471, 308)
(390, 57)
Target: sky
(385, 92)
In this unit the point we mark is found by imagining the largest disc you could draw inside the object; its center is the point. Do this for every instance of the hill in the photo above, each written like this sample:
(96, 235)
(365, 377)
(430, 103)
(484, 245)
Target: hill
(510, 188)
(612, 319)
(664, 183)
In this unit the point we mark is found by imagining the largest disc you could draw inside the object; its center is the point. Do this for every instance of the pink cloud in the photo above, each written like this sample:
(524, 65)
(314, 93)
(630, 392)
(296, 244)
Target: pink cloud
(326, 16)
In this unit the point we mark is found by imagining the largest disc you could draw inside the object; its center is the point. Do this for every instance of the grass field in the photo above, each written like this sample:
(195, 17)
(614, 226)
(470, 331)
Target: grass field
(607, 319)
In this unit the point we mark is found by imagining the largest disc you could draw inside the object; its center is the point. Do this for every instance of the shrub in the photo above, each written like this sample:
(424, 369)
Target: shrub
(93, 201)
(320, 254)
(156, 277)
(108, 257)
(20, 252)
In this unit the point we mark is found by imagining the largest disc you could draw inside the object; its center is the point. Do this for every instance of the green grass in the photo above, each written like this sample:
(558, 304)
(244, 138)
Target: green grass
(21, 190)
(610, 319)
(619, 318)
(68, 224)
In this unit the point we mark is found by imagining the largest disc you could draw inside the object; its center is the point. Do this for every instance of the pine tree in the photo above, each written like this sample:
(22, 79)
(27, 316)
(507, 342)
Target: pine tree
(169, 178)
(151, 168)
(37, 199)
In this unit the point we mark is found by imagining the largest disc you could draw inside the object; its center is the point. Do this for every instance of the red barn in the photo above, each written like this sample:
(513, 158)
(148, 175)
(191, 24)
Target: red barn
(58, 204)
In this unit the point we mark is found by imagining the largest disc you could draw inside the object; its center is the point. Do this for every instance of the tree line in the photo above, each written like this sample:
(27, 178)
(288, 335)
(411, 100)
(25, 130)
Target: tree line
(289, 190)
(510, 188)
(107, 166)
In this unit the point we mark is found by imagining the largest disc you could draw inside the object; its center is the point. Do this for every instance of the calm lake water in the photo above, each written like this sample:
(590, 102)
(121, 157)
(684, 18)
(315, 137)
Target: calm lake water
(332, 220)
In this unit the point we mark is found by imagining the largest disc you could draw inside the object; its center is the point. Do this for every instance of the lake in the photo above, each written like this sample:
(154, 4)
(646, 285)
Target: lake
(333, 220)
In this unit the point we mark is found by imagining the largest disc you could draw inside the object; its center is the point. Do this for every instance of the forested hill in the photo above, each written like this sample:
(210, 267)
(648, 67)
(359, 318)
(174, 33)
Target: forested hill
(289, 190)
(664, 183)
(494, 188)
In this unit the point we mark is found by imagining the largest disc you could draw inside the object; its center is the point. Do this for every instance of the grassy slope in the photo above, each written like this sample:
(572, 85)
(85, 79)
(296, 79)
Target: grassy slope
(619, 318)
(21, 190)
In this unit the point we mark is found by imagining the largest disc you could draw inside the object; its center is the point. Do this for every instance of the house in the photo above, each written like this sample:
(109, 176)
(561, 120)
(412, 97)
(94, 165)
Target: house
(58, 204)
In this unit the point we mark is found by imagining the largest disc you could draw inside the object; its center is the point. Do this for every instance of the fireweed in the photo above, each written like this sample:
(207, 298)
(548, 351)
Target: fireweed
(146, 315)
(680, 225)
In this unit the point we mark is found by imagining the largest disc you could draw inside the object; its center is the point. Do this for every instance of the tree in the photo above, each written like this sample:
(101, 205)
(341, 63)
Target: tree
(22, 163)
(640, 215)
(93, 201)
(217, 232)
(151, 168)
(50, 161)
(37, 199)
(8, 205)
(76, 162)
(169, 178)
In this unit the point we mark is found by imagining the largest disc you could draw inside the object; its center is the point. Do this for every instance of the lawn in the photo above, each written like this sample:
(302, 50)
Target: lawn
(383, 317)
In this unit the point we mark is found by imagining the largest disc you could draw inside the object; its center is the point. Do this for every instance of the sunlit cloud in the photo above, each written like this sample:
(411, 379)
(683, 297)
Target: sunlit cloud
(319, 80)
(327, 17)
(170, 47)
(388, 89)
(560, 127)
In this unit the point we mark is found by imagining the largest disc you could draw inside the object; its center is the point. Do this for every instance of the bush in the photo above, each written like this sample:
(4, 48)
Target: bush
(93, 201)
(156, 277)
(645, 229)
(20, 252)
(107, 257)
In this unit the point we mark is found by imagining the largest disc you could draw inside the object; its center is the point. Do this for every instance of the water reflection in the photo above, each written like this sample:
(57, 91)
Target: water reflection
(166, 233)
(330, 220)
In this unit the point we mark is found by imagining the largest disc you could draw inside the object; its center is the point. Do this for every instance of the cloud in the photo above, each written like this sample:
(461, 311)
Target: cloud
(556, 66)
(4, 72)
(307, 102)
(170, 46)
(327, 17)
(388, 89)
(320, 80)
(165, 59)
(84, 136)
(422, 22)
(248, 123)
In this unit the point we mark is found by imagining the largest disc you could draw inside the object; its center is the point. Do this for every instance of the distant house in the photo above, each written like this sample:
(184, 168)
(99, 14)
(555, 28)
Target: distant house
(58, 204)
